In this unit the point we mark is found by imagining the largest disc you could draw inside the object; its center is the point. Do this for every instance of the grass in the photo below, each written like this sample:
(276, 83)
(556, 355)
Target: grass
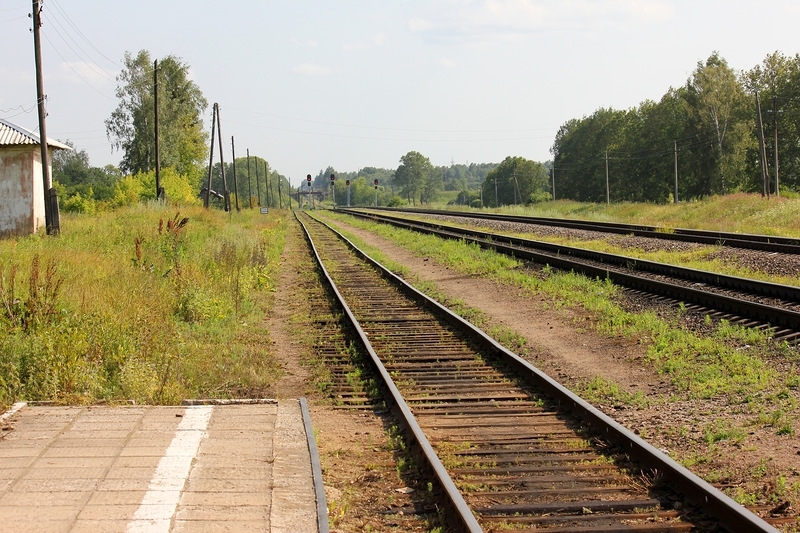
(150, 304)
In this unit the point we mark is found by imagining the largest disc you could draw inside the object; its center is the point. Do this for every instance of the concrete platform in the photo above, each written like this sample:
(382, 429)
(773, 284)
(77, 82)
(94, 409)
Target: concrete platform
(197, 468)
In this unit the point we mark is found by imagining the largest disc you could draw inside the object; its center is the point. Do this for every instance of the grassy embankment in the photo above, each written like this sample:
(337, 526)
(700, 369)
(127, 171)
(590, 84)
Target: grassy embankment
(139, 304)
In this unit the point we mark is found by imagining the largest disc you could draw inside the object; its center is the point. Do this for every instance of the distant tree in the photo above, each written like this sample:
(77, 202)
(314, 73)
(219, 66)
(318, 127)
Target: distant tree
(516, 181)
(414, 178)
(130, 128)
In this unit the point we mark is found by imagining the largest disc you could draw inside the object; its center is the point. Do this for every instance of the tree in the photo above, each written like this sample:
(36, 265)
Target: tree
(719, 107)
(414, 177)
(130, 127)
(516, 181)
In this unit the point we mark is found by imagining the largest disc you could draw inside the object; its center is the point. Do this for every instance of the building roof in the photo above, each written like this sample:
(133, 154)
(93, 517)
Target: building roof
(12, 135)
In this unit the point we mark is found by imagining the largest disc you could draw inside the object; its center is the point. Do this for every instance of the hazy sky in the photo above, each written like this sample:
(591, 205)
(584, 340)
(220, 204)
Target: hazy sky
(354, 83)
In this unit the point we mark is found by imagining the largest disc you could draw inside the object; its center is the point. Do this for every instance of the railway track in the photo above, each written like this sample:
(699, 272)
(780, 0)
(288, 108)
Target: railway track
(744, 301)
(508, 447)
(767, 243)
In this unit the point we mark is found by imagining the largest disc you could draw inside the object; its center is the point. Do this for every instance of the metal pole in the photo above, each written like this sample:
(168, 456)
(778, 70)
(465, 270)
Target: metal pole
(49, 215)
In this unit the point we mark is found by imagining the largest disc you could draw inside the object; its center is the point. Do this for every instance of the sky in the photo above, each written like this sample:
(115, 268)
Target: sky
(308, 84)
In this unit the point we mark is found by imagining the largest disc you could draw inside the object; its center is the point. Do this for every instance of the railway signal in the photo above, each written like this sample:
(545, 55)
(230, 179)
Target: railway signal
(347, 182)
(376, 193)
(333, 190)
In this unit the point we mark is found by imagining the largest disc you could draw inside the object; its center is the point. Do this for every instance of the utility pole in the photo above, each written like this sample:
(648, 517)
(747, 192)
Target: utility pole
(676, 171)
(207, 201)
(51, 215)
(775, 128)
(249, 183)
(608, 193)
(222, 163)
(762, 148)
(554, 179)
(280, 198)
(159, 192)
(258, 185)
(235, 181)
(266, 183)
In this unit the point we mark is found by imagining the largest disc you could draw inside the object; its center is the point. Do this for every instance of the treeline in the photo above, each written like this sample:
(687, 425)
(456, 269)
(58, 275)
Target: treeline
(415, 181)
(706, 130)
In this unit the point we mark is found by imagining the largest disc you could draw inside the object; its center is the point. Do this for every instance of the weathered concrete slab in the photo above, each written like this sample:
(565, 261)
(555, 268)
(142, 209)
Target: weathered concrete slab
(188, 469)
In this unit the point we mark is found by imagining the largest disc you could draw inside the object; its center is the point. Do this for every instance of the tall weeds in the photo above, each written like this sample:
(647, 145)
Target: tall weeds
(140, 304)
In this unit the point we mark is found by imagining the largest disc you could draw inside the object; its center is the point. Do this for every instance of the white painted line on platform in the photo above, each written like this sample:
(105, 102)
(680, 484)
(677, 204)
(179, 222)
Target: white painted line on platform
(14, 408)
(163, 494)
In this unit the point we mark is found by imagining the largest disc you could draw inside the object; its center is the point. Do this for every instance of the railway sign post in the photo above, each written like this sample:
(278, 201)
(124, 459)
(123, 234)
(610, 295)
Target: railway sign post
(347, 182)
(333, 190)
(376, 193)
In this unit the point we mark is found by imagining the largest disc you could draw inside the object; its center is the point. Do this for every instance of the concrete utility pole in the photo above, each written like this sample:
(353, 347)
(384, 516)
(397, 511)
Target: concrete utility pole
(775, 124)
(235, 181)
(51, 216)
(675, 143)
(762, 149)
(608, 192)
(249, 182)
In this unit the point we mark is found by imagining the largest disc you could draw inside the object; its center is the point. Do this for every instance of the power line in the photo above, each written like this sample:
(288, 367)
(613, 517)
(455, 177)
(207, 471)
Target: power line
(80, 33)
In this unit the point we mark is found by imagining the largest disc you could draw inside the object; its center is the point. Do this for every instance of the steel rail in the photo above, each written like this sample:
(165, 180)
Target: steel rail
(716, 504)
(751, 241)
(461, 510)
(558, 256)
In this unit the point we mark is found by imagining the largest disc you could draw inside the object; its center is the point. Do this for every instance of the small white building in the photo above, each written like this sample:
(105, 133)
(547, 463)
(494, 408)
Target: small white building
(21, 183)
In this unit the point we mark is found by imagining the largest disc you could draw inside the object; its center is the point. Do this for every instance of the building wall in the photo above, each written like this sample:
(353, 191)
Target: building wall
(21, 191)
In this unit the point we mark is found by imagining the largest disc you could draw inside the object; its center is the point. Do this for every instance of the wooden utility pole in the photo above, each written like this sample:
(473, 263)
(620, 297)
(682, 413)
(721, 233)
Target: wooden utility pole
(226, 192)
(159, 193)
(207, 201)
(51, 215)
(235, 181)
